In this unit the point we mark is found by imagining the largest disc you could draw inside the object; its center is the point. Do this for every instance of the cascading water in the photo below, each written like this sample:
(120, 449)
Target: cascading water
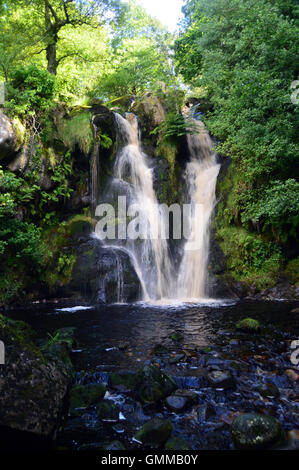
(133, 176)
(201, 179)
(149, 253)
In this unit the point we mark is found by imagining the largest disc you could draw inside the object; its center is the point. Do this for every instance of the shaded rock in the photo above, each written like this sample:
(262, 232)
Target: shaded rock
(8, 138)
(220, 379)
(107, 411)
(268, 389)
(248, 324)
(160, 349)
(176, 359)
(32, 390)
(254, 431)
(60, 346)
(292, 375)
(150, 111)
(83, 396)
(154, 433)
(154, 385)
(115, 445)
(204, 412)
(123, 380)
(177, 443)
(180, 400)
(177, 336)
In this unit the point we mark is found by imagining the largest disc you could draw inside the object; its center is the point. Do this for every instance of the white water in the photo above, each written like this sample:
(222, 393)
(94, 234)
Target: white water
(201, 179)
(151, 252)
(150, 255)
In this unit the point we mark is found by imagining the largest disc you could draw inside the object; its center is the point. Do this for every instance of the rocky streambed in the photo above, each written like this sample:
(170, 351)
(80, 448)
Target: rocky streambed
(174, 377)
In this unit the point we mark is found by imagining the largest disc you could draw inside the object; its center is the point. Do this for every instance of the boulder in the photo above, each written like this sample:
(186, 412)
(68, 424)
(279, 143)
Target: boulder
(154, 385)
(180, 400)
(150, 111)
(33, 389)
(220, 379)
(154, 433)
(255, 431)
(8, 137)
(83, 396)
(123, 381)
(107, 411)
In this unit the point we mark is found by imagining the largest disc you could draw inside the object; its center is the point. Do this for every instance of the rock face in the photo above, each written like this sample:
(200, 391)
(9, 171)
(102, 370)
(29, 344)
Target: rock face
(8, 138)
(105, 275)
(253, 431)
(150, 111)
(32, 389)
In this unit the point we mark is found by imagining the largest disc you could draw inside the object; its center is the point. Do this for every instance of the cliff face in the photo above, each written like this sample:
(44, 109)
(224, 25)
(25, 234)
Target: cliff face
(50, 183)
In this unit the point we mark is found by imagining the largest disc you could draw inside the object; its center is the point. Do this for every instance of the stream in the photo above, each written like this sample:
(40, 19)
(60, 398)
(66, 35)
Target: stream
(187, 341)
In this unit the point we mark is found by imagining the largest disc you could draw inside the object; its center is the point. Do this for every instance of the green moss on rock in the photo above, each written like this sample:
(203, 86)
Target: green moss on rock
(248, 324)
(83, 396)
(154, 433)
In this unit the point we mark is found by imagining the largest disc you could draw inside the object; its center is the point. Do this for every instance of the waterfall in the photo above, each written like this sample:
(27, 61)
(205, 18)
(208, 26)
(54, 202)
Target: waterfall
(133, 176)
(149, 253)
(201, 178)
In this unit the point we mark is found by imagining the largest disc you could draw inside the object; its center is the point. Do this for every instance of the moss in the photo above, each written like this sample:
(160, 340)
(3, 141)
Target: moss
(83, 396)
(20, 132)
(19, 332)
(77, 130)
(292, 271)
(176, 443)
(248, 324)
(250, 258)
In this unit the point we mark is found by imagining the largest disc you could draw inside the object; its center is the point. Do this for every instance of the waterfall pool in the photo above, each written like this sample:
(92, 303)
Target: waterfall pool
(188, 342)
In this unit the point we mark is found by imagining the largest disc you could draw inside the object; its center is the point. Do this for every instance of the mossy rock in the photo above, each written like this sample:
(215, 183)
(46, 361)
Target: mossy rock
(154, 385)
(124, 380)
(248, 324)
(19, 332)
(60, 345)
(177, 337)
(154, 433)
(177, 443)
(253, 431)
(84, 396)
(107, 411)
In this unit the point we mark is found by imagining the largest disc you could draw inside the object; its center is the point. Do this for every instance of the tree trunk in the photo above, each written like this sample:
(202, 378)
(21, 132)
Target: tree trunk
(52, 58)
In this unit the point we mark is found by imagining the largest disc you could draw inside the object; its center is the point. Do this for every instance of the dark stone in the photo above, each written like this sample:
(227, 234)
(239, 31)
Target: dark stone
(180, 400)
(123, 380)
(220, 379)
(32, 389)
(83, 396)
(268, 390)
(115, 445)
(154, 433)
(254, 431)
(107, 411)
(204, 412)
(177, 443)
(154, 385)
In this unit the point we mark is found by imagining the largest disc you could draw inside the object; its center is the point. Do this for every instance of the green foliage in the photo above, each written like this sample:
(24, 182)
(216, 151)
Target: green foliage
(244, 54)
(292, 271)
(250, 258)
(31, 90)
(77, 130)
(175, 125)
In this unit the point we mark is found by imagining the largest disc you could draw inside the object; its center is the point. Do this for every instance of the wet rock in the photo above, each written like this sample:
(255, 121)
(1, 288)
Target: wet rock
(180, 400)
(295, 310)
(220, 379)
(176, 443)
(115, 445)
(248, 324)
(176, 359)
(32, 388)
(123, 380)
(154, 385)
(268, 390)
(154, 433)
(204, 412)
(160, 349)
(292, 375)
(60, 345)
(254, 431)
(83, 396)
(107, 411)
